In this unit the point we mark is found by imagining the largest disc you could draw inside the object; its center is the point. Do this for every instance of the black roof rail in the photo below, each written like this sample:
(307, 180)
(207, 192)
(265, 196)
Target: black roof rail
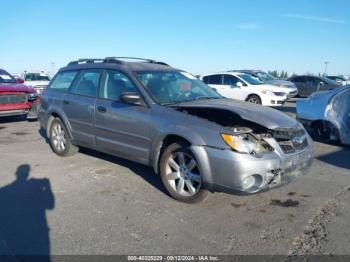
(118, 59)
(86, 61)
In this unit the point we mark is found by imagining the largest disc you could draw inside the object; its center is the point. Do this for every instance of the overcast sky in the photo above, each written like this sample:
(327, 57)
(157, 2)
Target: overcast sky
(199, 36)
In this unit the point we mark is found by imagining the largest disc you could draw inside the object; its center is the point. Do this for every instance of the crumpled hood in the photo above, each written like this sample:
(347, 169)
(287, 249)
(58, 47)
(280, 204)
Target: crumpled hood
(14, 87)
(283, 83)
(264, 116)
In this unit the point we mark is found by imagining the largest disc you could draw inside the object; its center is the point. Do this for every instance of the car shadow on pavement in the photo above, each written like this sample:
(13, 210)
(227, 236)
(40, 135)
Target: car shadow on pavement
(146, 172)
(23, 225)
(43, 134)
(143, 171)
(339, 158)
(12, 119)
(287, 109)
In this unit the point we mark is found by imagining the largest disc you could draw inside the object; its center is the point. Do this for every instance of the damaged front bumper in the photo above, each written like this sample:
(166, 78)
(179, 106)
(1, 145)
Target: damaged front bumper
(34, 110)
(231, 172)
(292, 167)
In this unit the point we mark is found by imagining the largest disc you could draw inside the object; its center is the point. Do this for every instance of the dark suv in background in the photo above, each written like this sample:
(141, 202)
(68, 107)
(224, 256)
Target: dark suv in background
(154, 114)
(309, 84)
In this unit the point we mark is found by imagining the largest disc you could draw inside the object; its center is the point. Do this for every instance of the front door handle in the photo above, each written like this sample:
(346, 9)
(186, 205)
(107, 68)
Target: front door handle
(101, 109)
(65, 102)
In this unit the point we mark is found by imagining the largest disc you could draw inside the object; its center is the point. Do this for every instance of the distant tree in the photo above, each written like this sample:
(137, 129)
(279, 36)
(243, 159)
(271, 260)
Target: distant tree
(271, 73)
(284, 74)
(281, 74)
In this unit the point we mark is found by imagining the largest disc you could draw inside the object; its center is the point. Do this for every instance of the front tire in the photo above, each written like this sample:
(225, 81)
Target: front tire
(323, 131)
(180, 173)
(254, 99)
(59, 139)
(327, 132)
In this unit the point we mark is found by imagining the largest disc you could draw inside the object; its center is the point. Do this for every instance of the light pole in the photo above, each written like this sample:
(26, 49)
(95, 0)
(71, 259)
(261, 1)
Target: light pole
(326, 66)
(52, 68)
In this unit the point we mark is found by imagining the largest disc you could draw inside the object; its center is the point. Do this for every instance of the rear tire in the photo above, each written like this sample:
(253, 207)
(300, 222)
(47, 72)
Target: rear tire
(60, 141)
(180, 173)
(254, 99)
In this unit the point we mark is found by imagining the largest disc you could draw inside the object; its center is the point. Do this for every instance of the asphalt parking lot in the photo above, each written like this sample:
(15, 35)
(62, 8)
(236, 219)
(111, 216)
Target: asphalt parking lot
(93, 203)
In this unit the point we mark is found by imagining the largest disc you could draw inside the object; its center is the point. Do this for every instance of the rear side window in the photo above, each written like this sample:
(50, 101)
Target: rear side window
(87, 83)
(316, 80)
(63, 80)
(213, 80)
(298, 79)
(230, 80)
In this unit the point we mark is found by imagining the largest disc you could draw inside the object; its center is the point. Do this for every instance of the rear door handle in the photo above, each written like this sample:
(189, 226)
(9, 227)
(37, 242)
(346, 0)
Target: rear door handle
(101, 109)
(65, 102)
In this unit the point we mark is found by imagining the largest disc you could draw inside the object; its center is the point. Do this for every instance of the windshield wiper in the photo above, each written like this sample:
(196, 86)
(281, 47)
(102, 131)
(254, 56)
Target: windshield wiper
(206, 97)
(190, 100)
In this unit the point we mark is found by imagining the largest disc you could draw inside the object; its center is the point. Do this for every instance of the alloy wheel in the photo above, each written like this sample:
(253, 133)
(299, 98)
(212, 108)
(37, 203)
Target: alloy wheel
(182, 173)
(58, 137)
(253, 100)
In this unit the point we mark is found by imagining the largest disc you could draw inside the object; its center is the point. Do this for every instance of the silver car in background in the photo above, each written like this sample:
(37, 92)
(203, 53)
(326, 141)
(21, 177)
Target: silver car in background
(327, 114)
(151, 113)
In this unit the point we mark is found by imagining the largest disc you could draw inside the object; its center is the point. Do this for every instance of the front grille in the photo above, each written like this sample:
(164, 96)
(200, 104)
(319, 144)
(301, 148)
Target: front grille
(13, 99)
(291, 140)
(279, 93)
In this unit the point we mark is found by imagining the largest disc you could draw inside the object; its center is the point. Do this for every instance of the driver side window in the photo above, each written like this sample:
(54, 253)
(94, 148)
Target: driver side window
(113, 84)
(230, 80)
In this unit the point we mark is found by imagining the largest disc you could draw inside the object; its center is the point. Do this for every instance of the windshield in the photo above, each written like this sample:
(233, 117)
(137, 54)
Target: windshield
(336, 78)
(265, 76)
(36, 77)
(250, 80)
(328, 81)
(175, 87)
(6, 77)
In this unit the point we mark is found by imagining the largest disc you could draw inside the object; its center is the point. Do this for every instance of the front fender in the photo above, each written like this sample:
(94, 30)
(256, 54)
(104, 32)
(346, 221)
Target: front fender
(51, 115)
(193, 137)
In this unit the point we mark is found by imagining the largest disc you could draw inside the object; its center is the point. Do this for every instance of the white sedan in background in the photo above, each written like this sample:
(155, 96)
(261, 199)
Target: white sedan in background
(244, 87)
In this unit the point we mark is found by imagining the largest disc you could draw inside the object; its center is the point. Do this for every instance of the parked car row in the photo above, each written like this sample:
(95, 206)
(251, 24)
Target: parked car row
(259, 87)
(243, 86)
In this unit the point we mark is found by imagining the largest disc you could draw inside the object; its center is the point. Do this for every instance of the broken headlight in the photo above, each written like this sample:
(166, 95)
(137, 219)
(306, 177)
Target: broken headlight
(244, 141)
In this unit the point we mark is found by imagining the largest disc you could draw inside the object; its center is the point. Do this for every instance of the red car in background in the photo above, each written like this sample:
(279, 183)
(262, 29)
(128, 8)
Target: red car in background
(17, 98)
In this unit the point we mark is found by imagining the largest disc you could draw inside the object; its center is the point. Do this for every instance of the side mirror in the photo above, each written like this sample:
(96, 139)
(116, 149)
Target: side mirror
(239, 84)
(131, 98)
(20, 81)
(321, 83)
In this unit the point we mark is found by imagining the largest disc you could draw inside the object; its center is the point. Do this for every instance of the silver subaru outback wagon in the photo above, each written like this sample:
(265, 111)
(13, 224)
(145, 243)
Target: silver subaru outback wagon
(154, 114)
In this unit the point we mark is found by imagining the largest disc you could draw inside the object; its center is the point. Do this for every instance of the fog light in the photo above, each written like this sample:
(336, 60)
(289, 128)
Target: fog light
(248, 182)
